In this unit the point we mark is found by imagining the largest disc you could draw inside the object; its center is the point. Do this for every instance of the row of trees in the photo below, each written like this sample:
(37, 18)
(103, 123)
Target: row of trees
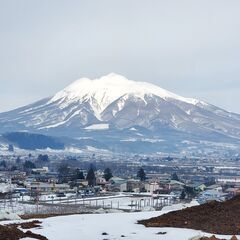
(66, 174)
(26, 165)
(91, 178)
(108, 175)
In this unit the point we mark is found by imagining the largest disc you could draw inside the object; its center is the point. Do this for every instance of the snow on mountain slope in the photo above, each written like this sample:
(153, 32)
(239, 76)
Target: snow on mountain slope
(100, 126)
(83, 103)
(103, 91)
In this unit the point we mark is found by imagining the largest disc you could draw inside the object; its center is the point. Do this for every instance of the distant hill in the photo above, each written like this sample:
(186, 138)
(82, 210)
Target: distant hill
(30, 141)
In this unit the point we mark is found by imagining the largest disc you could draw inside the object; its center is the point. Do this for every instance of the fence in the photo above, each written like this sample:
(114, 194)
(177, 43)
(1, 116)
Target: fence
(81, 205)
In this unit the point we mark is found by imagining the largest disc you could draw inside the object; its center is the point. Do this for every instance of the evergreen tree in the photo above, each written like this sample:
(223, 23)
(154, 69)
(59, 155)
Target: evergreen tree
(190, 191)
(107, 174)
(141, 174)
(77, 174)
(175, 177)
(63, 173)
(28, 165)
(18, 160)
(81, 175)
(10, 148)
(92, 165)
(3, 164)
(43, 158)
(13, 168)
(183, 195)
(91, 177)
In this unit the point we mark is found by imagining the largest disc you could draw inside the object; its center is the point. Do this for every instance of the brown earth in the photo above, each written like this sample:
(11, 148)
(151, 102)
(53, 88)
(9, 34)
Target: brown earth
(47, 215)
(28, 225)
(12, 232)
(31, 216)
(214, 238)
(214, 217)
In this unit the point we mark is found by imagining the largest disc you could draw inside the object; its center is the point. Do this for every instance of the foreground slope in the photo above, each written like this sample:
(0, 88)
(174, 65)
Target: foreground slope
(214, 217)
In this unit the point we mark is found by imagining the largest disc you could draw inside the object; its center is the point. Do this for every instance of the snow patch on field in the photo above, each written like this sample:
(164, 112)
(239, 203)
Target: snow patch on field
(8, 215)
(180, 206)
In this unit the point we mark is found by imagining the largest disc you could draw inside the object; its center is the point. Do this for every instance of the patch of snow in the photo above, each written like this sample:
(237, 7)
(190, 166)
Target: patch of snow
(101, 126)
(188, 112)
(83, 138)
(129, 140)
(114, 112)
(53, 125)
(73, 150)
(180, 206)
(93, 149)
(6, 187)
(148, 209)
(101, 211)
(151, 140)
(8, 215)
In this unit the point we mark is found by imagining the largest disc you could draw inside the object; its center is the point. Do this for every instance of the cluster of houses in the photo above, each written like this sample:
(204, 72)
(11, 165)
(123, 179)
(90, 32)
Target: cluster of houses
(42, 181)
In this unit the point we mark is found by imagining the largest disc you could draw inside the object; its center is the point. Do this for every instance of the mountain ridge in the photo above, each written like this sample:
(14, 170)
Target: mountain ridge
(107, 89)
(113, 101)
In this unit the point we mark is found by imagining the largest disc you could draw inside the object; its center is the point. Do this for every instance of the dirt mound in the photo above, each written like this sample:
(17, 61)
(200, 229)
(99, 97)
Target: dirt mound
(214, 238)
(28, 225)
(12, 232)
(214, 217)
(47, 215)
(30, 216)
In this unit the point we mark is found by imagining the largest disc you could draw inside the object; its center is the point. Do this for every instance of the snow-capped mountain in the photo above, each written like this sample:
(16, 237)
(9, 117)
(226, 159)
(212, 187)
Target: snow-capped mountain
(129, 109)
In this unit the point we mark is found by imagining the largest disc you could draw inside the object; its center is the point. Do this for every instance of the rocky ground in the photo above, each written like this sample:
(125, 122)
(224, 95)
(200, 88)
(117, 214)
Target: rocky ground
(214, 217)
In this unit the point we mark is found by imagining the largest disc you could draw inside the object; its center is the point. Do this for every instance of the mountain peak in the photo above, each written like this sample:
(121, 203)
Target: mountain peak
(110, 87)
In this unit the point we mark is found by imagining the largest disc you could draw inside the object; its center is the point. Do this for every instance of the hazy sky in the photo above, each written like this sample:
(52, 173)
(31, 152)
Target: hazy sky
(189, 47)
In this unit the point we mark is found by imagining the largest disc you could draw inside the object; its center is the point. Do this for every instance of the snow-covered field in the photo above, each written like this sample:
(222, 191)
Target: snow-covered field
(116, 226)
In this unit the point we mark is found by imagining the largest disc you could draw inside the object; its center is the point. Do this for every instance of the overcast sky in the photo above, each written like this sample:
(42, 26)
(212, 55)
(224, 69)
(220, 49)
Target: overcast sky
(189, 47)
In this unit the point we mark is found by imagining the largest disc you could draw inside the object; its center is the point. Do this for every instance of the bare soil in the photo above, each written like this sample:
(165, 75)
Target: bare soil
(47, 215)
(28, 225)
(12, 231)
(214, 217)
(214, 238)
